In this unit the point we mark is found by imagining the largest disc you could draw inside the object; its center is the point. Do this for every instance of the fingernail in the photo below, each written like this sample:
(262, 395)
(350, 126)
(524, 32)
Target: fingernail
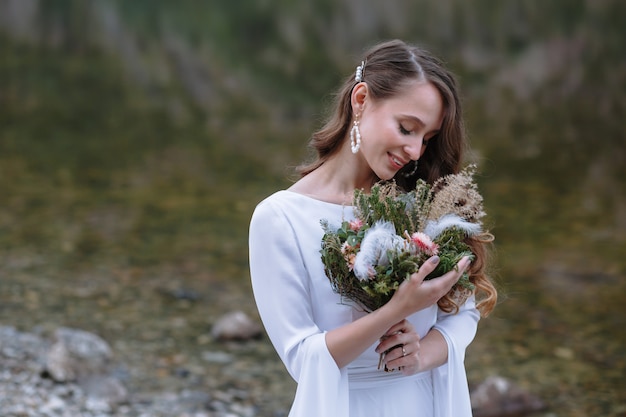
(434, 259)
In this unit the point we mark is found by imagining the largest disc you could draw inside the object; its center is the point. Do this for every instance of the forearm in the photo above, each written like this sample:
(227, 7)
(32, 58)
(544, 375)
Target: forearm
(347, 342)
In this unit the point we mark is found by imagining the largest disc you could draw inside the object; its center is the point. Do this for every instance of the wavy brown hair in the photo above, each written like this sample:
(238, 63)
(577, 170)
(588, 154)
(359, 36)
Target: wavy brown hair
(389, 67)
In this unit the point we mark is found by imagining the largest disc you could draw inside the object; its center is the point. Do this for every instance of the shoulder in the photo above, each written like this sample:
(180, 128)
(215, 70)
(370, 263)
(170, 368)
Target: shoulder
(289, 209)
(276, 203)
(278, 211)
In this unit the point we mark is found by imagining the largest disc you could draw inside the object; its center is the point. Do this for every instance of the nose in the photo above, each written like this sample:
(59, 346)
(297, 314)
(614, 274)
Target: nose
(414, 148)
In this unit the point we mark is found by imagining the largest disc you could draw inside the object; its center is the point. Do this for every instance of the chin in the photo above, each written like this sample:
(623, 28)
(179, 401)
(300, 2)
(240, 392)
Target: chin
(386, 176)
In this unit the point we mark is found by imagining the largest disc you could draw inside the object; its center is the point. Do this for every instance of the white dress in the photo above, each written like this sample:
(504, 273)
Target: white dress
(298, 305)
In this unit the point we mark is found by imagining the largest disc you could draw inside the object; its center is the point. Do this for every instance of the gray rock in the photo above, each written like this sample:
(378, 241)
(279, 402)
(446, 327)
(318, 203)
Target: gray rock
(21, 350)
(217, 357)
(107, 392)
(77, 354)
(236, 325)
(498, 397)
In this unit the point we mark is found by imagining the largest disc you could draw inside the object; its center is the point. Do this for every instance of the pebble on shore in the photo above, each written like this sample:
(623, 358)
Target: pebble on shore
(70, 376)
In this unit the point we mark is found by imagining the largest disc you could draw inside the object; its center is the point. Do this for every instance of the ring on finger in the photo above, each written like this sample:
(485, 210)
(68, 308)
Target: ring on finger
(403, 351)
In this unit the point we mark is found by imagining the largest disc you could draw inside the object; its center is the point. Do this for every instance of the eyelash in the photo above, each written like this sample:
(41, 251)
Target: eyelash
(404, 131)
(409, 132)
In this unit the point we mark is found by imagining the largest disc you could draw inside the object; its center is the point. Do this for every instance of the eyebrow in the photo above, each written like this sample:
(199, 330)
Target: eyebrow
(414, 118)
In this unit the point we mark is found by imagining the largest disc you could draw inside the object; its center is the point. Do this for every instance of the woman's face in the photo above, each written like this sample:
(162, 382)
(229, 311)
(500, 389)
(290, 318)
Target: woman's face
(395, 131)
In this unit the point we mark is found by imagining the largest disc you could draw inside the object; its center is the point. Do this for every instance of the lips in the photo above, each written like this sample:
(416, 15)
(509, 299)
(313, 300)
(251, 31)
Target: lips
(396, 162)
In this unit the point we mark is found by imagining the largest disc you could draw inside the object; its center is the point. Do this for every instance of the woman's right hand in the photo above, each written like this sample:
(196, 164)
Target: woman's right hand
(416, 293)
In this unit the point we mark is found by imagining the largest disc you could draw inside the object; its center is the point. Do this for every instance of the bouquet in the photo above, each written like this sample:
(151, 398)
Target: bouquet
(394, 232)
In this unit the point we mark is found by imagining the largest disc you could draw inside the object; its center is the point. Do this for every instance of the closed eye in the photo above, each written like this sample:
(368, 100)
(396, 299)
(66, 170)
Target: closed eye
(405, 131)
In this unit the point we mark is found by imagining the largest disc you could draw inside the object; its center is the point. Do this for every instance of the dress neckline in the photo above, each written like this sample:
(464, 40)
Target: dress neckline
(317, 200)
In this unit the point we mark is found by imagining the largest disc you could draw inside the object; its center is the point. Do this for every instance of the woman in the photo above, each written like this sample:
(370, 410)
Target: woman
(400, 107)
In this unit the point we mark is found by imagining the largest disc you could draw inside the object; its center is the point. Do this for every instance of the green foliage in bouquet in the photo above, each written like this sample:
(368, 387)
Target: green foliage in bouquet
(452, 248)
(387, 202)
(395, 231)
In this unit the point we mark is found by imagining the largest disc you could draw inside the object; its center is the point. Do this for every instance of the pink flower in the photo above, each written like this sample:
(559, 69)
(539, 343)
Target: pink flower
(356, 224)
(345, 248)
(424, 243)
(350, 260)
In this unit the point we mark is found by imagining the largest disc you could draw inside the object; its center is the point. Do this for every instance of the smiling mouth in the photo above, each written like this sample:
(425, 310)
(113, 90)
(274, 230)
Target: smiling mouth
(399, 163)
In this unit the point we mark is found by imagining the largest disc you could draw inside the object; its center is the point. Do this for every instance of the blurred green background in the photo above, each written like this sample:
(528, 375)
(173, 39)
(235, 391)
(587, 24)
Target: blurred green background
(136, 137)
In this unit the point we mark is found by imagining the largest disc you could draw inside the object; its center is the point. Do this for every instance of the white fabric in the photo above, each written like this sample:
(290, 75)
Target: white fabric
(297, 306)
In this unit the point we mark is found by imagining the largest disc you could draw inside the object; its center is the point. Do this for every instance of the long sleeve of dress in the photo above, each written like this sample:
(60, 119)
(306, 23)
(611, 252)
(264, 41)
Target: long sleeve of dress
(449, 380)
(281, 289)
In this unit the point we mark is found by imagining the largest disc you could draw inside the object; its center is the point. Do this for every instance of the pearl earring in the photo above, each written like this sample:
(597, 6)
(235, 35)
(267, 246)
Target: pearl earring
(355, 137)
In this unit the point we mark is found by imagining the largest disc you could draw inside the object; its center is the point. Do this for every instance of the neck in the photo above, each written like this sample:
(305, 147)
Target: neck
(336, 179)
(348, 175)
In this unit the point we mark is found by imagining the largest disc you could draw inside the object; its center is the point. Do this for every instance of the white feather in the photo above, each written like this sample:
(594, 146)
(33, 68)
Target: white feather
(435, 227)
(377, 241)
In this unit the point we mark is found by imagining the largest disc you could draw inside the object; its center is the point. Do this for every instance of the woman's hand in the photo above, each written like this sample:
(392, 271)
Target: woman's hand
(401, 348)
(400, 345)
(416, 294)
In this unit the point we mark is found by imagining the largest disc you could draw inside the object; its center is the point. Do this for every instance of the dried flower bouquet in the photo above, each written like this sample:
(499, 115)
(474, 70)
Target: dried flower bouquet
(394, 232)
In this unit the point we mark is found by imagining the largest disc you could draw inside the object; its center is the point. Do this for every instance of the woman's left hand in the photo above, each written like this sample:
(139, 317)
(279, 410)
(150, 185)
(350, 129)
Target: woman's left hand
(401, 348)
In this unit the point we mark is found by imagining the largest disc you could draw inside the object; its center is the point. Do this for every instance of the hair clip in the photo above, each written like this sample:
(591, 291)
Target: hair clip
(358, 77)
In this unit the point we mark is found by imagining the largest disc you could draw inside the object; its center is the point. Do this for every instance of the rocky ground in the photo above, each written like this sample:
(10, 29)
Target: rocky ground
(71, 373)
